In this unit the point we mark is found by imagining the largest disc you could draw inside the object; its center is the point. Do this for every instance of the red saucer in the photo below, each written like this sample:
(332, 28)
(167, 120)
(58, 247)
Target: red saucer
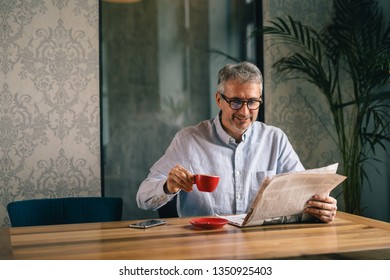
(208, 223)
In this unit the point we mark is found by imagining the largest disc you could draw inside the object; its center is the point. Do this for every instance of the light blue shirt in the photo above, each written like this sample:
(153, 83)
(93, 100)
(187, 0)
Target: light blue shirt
(207, 149)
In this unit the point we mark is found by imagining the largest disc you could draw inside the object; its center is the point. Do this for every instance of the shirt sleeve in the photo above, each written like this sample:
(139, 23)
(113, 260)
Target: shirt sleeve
(288, 160)
(151, 195)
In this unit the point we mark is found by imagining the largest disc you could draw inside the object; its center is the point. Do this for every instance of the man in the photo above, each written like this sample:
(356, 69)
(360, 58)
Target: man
(234, 146)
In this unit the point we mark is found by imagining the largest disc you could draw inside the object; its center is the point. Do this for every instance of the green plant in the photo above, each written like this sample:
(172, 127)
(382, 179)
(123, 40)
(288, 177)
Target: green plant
(349, 62)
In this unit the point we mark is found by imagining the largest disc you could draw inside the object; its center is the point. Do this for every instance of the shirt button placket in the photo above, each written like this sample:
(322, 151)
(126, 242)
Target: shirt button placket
(239, 179)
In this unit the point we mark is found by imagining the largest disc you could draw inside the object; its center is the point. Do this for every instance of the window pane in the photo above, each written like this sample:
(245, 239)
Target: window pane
(160, 60)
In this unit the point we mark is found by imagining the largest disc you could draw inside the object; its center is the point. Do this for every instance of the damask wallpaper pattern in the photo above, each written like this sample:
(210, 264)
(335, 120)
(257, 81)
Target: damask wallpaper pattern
(49, 100)
(289, 105)
(302, 112)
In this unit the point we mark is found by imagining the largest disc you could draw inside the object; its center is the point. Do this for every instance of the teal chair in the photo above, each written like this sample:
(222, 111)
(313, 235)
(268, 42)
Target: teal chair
(168, 210)
(69, 210)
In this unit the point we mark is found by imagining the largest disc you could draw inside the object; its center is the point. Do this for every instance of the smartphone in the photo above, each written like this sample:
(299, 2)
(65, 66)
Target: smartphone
(148, 223)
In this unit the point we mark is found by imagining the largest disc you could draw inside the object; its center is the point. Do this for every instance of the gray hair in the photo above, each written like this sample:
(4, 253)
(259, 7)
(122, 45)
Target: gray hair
(243, 72)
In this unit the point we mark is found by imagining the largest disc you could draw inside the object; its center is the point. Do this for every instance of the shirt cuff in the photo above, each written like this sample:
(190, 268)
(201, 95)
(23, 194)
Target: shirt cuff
(166, 191)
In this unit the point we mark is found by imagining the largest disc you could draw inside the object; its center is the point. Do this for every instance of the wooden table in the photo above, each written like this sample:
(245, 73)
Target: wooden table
(348, 237)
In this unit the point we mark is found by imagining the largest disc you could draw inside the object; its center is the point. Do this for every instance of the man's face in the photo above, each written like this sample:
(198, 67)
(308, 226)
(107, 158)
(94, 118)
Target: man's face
(236, 122)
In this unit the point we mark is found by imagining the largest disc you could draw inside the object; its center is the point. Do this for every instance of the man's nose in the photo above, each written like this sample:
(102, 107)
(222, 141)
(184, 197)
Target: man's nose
(244, 109)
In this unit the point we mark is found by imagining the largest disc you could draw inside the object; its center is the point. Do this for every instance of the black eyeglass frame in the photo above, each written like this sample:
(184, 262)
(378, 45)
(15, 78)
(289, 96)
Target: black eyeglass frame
(242, 101)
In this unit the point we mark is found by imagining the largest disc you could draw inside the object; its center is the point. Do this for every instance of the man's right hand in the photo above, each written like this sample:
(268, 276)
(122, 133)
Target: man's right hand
(179, 178)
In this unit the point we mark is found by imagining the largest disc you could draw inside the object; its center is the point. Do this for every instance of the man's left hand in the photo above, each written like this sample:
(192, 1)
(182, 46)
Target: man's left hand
(322, 207)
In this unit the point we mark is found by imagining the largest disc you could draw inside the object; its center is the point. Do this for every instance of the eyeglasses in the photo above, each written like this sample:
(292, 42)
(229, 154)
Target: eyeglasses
(237, 103)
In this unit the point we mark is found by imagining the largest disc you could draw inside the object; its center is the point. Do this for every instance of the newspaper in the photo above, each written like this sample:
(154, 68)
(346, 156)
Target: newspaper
(282, 197)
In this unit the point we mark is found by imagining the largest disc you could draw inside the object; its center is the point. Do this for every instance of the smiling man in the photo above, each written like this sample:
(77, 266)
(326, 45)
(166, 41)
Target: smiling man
(234, 146)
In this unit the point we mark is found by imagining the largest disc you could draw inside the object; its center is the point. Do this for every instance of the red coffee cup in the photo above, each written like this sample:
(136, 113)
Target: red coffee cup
(206, 183)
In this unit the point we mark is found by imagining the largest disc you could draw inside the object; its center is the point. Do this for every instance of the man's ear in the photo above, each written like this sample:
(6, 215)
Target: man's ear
(218, 99)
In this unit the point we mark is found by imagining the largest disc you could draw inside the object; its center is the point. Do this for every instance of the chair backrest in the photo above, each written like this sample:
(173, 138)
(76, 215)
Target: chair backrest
(168, 210)
(69, 210)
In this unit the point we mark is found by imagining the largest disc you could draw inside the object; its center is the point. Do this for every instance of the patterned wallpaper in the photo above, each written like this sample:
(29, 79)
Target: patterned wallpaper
(290, 104)
(49, 100)
(297, 107)
(302, 112)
